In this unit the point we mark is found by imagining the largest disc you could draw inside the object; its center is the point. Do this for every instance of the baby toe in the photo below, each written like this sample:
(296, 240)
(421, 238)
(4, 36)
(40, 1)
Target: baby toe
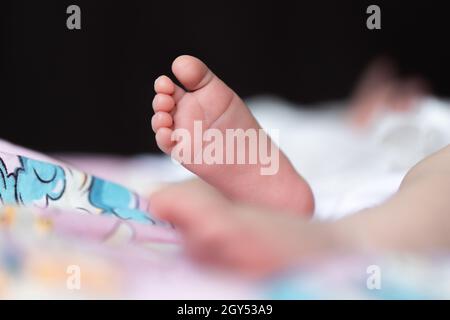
(161, 120)
(163, 84)
(164, 139)
(163, 102)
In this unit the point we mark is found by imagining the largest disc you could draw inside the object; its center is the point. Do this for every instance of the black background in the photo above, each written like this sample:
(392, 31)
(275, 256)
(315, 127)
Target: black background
(90, 90)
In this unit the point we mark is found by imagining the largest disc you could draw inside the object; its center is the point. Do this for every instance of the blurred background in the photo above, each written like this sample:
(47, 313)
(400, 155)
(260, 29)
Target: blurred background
(90, 90)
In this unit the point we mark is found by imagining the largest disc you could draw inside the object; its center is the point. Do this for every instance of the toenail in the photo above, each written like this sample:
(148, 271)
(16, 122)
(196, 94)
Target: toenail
(156, 82)
(155, 100)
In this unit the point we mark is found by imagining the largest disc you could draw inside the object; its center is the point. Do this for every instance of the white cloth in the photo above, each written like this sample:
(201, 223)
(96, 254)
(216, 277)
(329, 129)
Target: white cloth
(352, 169)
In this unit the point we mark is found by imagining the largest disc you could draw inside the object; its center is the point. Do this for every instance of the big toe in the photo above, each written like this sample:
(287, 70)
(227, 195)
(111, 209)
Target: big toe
(191, 72)
(188, 202)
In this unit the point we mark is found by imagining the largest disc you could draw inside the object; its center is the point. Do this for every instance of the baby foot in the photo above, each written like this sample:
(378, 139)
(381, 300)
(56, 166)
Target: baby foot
(205, 99)
(239, 237)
